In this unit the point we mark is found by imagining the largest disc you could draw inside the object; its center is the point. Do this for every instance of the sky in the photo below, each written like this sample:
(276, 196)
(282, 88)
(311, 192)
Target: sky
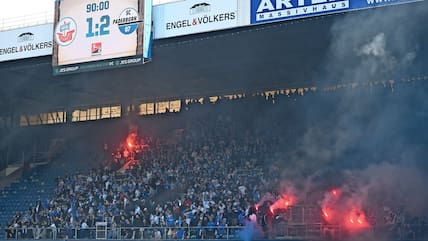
(21, 13)
(16, 8)
(30, 7)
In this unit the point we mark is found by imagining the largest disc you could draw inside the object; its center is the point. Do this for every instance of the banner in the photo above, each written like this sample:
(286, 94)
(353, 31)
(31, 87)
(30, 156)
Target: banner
(263, 11)
(194, 16)
(26, 42)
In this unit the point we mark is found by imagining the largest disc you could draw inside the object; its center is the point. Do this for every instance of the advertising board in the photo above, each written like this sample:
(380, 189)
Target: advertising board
(26, 42)
(263, 11)
(194, 16)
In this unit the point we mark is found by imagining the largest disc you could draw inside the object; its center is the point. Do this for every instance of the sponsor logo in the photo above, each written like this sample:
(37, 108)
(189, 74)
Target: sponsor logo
(65, 31)
(203, 10)
(68, 69)
(130, 61)
(24, 37)
(96, 48)
(279, 9)
(128, 21)
(26, 48)
(200, 8)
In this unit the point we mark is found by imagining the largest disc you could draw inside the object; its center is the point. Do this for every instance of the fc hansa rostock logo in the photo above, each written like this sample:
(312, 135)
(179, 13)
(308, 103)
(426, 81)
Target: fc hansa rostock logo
(65, 31)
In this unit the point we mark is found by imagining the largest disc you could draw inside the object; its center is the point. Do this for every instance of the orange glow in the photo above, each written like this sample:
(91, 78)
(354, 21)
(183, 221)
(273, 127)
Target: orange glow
(126, 153)
(335, 192)
(325, 214)
(131, 140)
(328, 208)
(283, 203)
(356, 221)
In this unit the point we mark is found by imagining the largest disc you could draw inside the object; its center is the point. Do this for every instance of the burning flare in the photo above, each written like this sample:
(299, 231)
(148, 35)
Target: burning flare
(356, 220)
(284, 202)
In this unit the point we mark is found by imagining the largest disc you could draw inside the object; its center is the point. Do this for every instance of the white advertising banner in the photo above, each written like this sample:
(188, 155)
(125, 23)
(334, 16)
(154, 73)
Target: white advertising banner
(26, 42)
(194, 16)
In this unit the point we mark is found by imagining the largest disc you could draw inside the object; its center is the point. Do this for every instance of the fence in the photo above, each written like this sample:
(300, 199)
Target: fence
(126, 233)
(276, 231)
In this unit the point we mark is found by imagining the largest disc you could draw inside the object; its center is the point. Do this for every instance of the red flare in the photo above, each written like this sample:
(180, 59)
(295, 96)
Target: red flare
(356, 221)
(325, 214)
(283, 203)
(335, 193)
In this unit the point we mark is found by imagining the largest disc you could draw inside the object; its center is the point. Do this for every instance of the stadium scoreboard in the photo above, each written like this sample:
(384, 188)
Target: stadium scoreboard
(100, 34)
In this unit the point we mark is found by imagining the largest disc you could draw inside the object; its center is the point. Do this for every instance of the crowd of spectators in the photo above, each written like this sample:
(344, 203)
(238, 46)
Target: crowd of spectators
(205, 179)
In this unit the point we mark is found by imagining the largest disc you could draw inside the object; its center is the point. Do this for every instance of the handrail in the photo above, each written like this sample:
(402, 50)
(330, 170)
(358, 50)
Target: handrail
(316, 231)
(123, 233)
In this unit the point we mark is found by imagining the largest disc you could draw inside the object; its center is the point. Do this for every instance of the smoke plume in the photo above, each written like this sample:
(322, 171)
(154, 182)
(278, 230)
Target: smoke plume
(363, 140)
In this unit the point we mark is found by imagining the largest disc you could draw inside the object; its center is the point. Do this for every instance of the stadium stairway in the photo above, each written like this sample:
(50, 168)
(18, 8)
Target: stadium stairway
(22, 194)
(38, 183)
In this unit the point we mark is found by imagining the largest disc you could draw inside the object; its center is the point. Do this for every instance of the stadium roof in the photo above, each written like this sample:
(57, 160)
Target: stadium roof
(286, 54)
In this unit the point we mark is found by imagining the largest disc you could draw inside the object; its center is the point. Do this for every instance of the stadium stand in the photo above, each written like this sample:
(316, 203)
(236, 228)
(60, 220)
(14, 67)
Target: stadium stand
(202, 183)
(271, 140)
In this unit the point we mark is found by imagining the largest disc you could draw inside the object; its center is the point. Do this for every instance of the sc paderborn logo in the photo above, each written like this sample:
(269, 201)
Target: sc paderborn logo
(65, 31)
(128, 21)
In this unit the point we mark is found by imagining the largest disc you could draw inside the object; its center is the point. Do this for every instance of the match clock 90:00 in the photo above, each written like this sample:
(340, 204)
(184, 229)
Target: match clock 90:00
(93, 7)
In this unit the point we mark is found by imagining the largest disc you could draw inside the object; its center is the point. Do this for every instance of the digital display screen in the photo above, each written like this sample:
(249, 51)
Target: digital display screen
(99, 34)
